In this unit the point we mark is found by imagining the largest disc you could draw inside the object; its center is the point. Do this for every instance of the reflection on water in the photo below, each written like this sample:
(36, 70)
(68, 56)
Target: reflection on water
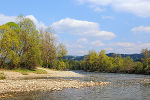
(122, 87)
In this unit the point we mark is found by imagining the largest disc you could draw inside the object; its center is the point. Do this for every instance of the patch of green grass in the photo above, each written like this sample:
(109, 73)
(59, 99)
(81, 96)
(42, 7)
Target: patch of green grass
(40, 71)
(26, 71)
(2, 76)
(22, 71)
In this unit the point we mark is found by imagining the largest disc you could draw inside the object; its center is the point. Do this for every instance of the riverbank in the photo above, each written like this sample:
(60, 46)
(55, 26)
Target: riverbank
(16, 82)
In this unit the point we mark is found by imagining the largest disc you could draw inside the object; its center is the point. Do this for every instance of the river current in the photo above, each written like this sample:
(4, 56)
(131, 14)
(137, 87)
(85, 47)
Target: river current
(122, 87)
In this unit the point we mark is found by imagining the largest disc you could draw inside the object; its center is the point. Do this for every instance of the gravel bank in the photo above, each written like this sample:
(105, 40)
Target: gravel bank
(15, 83)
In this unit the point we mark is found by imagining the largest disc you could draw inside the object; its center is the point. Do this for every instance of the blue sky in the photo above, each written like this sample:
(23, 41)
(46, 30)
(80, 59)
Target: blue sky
(119, 26)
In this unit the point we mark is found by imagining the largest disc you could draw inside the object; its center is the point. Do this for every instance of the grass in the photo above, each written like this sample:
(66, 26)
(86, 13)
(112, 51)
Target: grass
(26, 71)
(2, 76)
(40, 71)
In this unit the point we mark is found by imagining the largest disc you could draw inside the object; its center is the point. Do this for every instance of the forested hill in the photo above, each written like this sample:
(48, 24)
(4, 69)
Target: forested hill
(74, 57)
(135, 57)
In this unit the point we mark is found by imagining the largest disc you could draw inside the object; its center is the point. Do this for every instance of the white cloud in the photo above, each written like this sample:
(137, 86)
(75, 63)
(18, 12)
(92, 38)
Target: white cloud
(123, 44)
(36, 22)
(78, 52)
(141, 29)
(127, 47)
(97, 43)
(81, 28)
(109, 50)
(82, 41)
(137, 7)
(145, 45)
(98, 9)
(76, 49)
(4, 19)
(80, 46)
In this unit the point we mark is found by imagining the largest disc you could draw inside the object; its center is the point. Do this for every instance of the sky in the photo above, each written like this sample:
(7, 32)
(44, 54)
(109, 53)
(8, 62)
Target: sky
(118, 26)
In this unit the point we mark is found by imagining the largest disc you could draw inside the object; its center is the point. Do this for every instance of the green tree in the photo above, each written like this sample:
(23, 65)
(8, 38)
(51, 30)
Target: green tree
(146, 60)
(128, 65)
(103, 61)
(48, 48)
(30, 54)
(117, 63)
(138, 67)
(61, 50)
(9, 44)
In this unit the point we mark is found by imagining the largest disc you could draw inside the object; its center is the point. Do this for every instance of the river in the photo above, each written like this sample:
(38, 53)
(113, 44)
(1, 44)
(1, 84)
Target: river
(122, 87)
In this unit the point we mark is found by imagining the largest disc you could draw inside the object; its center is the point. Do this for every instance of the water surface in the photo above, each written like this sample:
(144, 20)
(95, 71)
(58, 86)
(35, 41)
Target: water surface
(122, 87)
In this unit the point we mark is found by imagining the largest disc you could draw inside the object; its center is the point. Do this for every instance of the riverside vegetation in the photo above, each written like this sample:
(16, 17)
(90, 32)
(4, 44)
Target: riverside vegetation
(23, 46)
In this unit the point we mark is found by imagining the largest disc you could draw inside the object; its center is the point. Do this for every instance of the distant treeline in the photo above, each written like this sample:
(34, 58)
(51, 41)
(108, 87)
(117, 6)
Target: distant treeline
(100, 62)
(135, 57)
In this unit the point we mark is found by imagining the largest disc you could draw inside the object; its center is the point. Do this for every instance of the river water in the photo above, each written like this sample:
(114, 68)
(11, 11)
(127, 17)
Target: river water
(122, 87)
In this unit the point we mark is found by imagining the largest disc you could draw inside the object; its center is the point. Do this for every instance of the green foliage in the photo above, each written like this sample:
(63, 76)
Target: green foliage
(61, 50)
(20, 44)
(23, 46)
(138, 67)
(30, 54)
(75, 65)
(48, 48)
(61, 65)
(9, 46)
(115, 64)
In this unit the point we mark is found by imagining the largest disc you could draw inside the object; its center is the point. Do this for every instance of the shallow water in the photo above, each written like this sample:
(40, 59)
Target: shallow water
(122, 87)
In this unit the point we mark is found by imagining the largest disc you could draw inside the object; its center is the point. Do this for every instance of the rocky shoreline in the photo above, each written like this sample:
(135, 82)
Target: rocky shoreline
(14, 86)
(11, 86)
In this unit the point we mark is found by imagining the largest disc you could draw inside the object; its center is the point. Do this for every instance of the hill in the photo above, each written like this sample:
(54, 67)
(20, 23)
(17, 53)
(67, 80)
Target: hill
(135, 57)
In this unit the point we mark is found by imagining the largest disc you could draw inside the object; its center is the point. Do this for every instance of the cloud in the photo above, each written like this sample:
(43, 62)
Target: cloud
(82, 41)
(76, 49)
(138, 7)
(4, 19)
(98, 9)
(123, 44)
(81, 28)
(97, 43)
(141, 29)
(127, 47)
(36, 22)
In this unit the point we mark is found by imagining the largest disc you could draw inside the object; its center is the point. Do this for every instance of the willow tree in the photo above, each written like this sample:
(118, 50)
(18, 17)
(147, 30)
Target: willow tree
(10, 44)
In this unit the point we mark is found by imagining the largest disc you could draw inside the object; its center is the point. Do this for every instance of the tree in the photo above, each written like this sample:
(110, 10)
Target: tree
(103, 61)
(9, 44)
(138, 67)
(61, 51)
(30, 54)
(48, 48)
(128, 65)
(146, 60)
